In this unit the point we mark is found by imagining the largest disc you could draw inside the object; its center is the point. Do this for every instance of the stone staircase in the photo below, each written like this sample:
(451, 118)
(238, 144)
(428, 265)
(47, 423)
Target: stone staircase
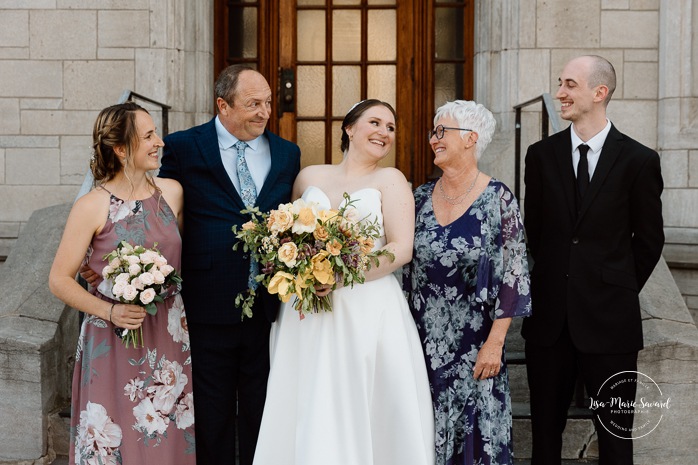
(579, 440)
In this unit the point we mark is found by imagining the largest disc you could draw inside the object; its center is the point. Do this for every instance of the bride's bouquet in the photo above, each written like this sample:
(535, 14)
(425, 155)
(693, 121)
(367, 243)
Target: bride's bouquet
(299, 246)
(139, 276)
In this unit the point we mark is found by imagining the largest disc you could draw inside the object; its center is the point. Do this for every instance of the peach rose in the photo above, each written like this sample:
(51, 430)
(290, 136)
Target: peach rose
(321, 233)
(322, 268)
(249, 226)
(288, 254)
(279, 220)
(366, 244)
(280, 284)
(305, 217)
(334, 247)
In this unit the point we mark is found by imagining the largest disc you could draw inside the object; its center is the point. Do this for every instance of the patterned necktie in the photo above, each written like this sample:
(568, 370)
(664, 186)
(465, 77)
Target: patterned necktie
(583, 170)
(248, 192)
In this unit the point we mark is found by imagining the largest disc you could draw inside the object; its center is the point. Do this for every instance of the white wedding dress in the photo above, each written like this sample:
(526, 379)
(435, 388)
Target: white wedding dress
(348, 387)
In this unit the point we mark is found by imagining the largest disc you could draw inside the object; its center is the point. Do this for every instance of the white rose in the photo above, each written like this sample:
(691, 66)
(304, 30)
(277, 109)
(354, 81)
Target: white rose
(123, 277)
(159, 260)
(115, 262)
(158, 277)
(130, 293)
(132, 260)
(134, 269)
(166, 269)
(147, 296)
(147, 257)
(106, 271)
(147, 278)
(288, 254)
(118, 289)
(138, 284)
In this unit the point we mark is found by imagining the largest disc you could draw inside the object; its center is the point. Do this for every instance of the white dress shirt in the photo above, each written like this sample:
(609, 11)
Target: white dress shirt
(257, 156)
(595, 145)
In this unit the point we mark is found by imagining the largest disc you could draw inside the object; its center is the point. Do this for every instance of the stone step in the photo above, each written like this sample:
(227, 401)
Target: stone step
(578, 440)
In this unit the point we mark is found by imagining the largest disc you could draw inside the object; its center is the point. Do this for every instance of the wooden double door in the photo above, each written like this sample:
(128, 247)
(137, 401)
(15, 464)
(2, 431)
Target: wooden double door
(322, 56)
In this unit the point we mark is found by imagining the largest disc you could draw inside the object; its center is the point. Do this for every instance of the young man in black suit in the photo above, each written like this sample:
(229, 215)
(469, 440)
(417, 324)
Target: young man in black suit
(593, 217)
(230, 357)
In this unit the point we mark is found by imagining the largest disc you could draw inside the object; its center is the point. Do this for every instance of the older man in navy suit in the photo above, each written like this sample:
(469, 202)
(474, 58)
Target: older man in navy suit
(593, 218)
(224, 166)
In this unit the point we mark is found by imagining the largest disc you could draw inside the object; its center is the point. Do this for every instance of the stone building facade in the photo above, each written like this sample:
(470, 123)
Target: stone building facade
(63, 60)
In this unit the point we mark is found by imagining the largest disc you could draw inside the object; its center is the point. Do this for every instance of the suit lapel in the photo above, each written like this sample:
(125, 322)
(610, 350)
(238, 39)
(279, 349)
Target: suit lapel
(609, 153)
(208, 145)
(563, 156)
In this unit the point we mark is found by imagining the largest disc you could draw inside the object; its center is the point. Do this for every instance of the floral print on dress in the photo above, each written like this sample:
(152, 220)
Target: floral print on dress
(142, 397)
(462, 277)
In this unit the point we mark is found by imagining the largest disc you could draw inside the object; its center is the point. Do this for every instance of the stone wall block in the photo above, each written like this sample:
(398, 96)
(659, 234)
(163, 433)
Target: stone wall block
(641, 80)
(59, 122)
(151, 71)
(96, 84)
(28, 141)
(693, 168)
(650, 55)
(20, 201)
(102, 4)
(615, 4)
(116, 53)
(636, 118)
(629, 29)
(75, 158)
(63, 34)
(9, 116)
(565, 24)
(679, 207)
(675, 168)
(41, 103)
(25, 5)
(534, 69)
(14, 28)
(130, 28)
(20, 78)
(14, 53)
(2, 169)
(32, 166)
(644, 4)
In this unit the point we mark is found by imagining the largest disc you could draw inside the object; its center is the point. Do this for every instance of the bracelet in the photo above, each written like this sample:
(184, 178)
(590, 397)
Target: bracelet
(110, 310)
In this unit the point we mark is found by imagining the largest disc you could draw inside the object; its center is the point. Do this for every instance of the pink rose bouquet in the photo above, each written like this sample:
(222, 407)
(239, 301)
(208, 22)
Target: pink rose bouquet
(299, 246)
(139, 276)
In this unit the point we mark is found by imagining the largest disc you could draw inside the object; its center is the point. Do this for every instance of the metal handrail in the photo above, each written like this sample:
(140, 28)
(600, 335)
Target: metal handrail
(127, 96)
(549, 118)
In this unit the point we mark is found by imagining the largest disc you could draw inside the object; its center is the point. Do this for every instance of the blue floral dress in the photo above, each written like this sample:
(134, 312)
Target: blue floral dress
(462, 277)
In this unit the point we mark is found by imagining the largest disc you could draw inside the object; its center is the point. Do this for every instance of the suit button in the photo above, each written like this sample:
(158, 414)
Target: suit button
(245, 256)
(575, 240)
(567, 276)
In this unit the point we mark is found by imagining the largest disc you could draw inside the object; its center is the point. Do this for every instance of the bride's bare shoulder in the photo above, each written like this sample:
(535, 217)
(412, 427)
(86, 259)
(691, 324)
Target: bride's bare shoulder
(313, 175)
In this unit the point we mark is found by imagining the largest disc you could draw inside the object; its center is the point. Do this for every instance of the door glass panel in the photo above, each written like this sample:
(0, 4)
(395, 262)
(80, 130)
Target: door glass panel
(242, 38)
(311, 35)
(346, 89)
(380, 80)
(382, 35)
(381, 2)
(449, 33)
(311, 140)
(346, 2)
(346, 35)
(336, 149)
(310, 86)
(311, 2)
(448, 83)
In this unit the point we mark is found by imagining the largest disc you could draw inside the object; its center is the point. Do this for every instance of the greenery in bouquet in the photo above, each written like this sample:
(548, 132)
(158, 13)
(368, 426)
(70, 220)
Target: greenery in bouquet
(299, 246)
(139, 276)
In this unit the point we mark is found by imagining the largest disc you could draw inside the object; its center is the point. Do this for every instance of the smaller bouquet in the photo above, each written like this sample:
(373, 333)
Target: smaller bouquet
(138, 276)
(298, 246)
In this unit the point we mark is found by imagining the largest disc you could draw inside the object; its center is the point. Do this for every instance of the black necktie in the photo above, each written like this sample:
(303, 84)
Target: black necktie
(583, 170)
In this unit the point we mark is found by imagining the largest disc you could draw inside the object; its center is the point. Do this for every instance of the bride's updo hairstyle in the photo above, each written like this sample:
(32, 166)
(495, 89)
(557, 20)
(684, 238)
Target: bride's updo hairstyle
(355, 113)
(115, 127)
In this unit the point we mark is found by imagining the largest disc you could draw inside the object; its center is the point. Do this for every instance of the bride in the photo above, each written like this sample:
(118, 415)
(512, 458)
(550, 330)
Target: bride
(349, 387)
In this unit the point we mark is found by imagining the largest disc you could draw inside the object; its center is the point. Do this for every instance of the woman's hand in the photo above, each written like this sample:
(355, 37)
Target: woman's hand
(489, 360)
(127, 316)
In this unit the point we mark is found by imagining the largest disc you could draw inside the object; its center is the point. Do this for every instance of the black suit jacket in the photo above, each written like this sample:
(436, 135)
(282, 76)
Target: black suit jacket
(213, 273)
(589, 266)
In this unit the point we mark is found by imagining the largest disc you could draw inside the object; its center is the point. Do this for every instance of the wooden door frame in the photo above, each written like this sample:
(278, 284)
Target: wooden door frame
(415, 61)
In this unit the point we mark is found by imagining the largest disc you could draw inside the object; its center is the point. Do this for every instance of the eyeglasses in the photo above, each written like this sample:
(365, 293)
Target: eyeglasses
(439, 130)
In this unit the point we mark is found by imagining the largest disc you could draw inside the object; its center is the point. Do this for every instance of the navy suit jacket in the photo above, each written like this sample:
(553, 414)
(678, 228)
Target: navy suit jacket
(589, 266)
(213, 273)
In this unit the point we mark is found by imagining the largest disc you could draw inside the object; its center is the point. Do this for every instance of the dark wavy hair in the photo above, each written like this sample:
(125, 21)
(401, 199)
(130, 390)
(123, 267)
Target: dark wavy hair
(355, 113)
(115, 127)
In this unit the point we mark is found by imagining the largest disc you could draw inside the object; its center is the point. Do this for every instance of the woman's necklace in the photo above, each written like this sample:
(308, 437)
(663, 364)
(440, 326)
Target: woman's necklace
(454, 200)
